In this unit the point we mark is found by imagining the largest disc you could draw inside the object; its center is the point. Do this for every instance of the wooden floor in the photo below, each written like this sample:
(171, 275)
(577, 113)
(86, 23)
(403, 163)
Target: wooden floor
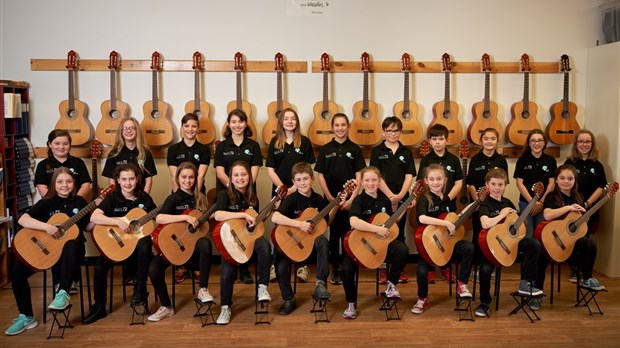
(562, 324)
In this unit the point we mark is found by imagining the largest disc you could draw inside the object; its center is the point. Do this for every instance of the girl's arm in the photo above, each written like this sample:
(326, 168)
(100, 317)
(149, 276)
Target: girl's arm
(523, 190)
(362, 225)
(169, 218)
(427, 220)
(28, 221)
(202, 172)
(148, 183)
(221, 176)
(173, 172)
(324, 187)
(458, 185)
(84, 190)
(254, 171)
(42, 189)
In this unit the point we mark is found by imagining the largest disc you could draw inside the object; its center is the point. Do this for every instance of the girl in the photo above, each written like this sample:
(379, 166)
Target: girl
(338, 161)
(286, 149)
(59, 146)
(129, 147)
(533, 166)
(60, 198)
(565, 198)
(430, 206)
(231, 204)
(237, 146)
(128, 194)
(371, 201)
(186, 197)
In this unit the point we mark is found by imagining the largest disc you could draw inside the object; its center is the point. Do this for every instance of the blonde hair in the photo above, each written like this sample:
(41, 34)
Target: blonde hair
(200, 199)
(119, 143)
(427, 191)
(574, 153)
(281, 133)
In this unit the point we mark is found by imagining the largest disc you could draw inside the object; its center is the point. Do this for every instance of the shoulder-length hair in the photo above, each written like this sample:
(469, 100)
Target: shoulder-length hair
(574, 192)
(250, 195)
(574, 153)
(527, 148)
(56, 133)
(200, 199)
(51, 192)
(119, 142)
(247, 132)
(281, 133)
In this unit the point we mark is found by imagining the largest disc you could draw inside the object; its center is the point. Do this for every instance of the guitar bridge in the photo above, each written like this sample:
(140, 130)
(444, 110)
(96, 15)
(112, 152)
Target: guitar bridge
(366, 131)
(155, 131)
(116, 237)
(558, 240)
(439, 244)
(369, 246)
(40, 245)
(295, 239)
(178, 241)
(237, 240)
(321, 132)
(503, 245)
(561, 131)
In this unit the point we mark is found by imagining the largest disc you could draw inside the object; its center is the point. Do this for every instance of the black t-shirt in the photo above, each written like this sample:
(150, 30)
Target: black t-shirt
(177, 203)
(491, 207)
(115, 206)
(438, 206)
(293, 205)
(198, 154)
(43, 176)
(479, 166)
(533, 170)
(125, 156)
(45, 208)
(227, 153)
(551, 201)
(223, 202)
(590, 176)
(393, 166)
(283, 160)
(365, 206)
(339, 163)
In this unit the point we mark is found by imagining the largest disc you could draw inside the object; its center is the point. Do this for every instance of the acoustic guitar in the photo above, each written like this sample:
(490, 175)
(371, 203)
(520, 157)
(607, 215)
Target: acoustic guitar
(206, 131)
(39, 250)
(73, 111)
(365, 128)
(446, 111)
(563, 126)
(434, 243)
(239, 103)
(368, 249)
(113, 111)
(558, 237)
(320, 131)
(500, 243)
(177, 241)
(156, 127)
(464, 198)
(485, 111)
(96, 150)
(425, 149)
(296, 244)
(524, 112)
(235, 240)
(275, 107)
(117, 245)
(407, 110)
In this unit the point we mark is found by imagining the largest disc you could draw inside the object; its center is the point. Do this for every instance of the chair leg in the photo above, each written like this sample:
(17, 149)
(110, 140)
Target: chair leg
(88, 283)
(44, 296)
(498, 276)
(174, 287)
(81, 296)
(295, 278)
(111, 287)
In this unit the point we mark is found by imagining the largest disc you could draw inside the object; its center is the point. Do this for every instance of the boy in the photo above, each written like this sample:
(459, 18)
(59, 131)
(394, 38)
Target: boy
(494, 210)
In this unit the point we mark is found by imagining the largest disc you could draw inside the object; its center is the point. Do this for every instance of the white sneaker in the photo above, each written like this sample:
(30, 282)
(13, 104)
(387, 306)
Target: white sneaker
(263, 294)
(162, 313)
(224, 318)
(272, 273)
(303, 273)
(204, 296)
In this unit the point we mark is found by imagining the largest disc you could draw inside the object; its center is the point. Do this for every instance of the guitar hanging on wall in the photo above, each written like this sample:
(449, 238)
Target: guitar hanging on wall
(206, 131)
(73, 111)
(96, 151)
(156, 127)
(365, 128)
(275, 107)
(446, 112)
(113, 111)
(320, 131)
(485, 111)
(523, 112)
(563, 126)
(407, 110)
(239, 103)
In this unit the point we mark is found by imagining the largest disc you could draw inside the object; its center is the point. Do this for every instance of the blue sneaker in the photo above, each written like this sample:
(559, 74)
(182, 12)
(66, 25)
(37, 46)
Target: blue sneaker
(61, 301)
(535, 304)
(21, 324)
(593, 284)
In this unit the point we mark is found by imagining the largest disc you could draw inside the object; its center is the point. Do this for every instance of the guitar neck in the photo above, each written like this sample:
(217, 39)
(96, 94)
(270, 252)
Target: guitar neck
(525, 213)
(589, 213)
(406, 92)
(155, 98)
(205, 216)
(565, 112)
(321, 215)
(446, 98)
(365, 97)
(465, 215)
(148, 217)
(95, 177)
(279, 92)
(526, 92)
(71, 93)
(80, 214)
(325, 91)
(196, 90)
(464, 168)
(113, 89)
(266, 211)
(239, 97)
(394, 218)
(487, 94)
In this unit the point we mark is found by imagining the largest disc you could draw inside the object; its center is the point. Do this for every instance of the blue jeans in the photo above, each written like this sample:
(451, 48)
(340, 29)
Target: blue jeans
(531, 221)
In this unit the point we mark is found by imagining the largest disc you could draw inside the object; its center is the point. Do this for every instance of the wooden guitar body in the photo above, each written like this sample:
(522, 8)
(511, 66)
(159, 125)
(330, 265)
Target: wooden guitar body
(499, 245)
(365, 128)
(296, 244)
(482, 122)
(557, 238)
(367, 249)
(320, 131)
(117, 245)
(206, 130)
(235, 241)
(519, 127)
(111, 119)
(177, 241)
(563, 128)
(433, 242)
(449, 118)
(412, 129)
(74, 121)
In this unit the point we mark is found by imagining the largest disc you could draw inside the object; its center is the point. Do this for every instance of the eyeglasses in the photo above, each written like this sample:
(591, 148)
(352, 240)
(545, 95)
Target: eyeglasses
(587, 142)
(535, 141)
(130, 128)
(392, 131)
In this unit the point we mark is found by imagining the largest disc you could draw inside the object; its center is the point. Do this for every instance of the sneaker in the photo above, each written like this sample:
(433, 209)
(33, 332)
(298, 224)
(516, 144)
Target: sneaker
(335, 278)
(483, 310)
(287, 307)
(303, 273)
(592, 284)
(74, 290)
(403, 279)
(197, 276)
(21, 324)
(245, 277)
(445, 275)
(462, 290)
(272, 273)
(535, 304)
(351, 311)
(162, 313)
(263, 294)
(382, 276)
(204, 296)
(224, 318)
(320, 290)
(180, 275)
(528, 288)
(391, 291)
(61, 301)
(420, 306)
(574, 274)
(430, 277)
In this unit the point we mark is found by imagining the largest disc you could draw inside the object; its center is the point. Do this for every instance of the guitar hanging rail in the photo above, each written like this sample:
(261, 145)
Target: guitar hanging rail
(435, 67)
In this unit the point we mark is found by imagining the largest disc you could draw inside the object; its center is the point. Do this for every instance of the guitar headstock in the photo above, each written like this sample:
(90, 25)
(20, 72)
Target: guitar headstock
(365, 62)
(564, 63)
(325, 62)
(72, 60)
(611, 189)
(281, 191)
(418, 188)
(425, 149)
(486, 63)
(525, 63)
(406, 62)
(483, 192)
(96, 149)
(279, 66)
(106, 191)
(445, 62)
(197, 63)
(238, 61)
(464, 149)
(538, 189)
(349, 186)
(156, 61)
(113, 64)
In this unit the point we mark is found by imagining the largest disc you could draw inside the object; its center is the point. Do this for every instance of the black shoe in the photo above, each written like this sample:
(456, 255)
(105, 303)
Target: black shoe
(138, 298)
(287, 307)
(320, 290)
(246, 277)
(97, 311)
(130, 280)
(335, 279)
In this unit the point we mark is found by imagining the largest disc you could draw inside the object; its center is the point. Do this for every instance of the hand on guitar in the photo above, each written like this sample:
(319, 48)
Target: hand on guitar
(192, 220)
(450, 227)
(576, 207)
(52, 230)
(382, 231)
(305, 226)
(249, 219)
(122, 225)
(504, 212)
(538, 208)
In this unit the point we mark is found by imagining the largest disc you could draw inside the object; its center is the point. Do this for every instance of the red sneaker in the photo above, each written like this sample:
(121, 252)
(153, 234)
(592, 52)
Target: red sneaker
(445, 275)
(430, 277)
(382, 275)
(181, 274)
(403, 279)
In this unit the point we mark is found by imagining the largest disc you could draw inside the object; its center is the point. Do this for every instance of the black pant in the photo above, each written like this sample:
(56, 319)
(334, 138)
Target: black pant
(228, 272)
(396, 254)
(200, 257)
(463, 251)
(583, 256)
(71, 257)
(102, 266)
(283, 267)
(337, 230)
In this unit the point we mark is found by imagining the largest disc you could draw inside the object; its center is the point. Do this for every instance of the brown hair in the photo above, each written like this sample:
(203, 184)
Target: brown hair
(427, 191)
(247, 132)
(138, 191)
(438, 130)
(56, 133)
(281, 133)
(302, 168)
(574, 153)
(340, 114)
(527, 148)
(119, 143)
(489, 130)
(189, 116)
(496, 173)
(388, 121)
(51, 192)
(200, 199)
(250, 195)
(574, 191)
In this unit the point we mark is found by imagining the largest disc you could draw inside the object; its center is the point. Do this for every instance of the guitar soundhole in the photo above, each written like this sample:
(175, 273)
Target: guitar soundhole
(525, 114)
(135, 226)
(325, 115)
(198, 112)
(565, 114)
(406, 114)
(114, 113)
(71, 113)
(61, 233)
(446, 114)
(155, 114)
(365, 114)
(277, 114)
(512, 230)
(486, 114)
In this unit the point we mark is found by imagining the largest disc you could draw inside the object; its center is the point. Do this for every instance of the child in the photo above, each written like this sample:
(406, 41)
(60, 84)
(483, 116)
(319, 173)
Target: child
(371, 201)
(533, 166)
(231, 204)
(494, 210)
(186, 197)
(60, 198)
(338, 161)
(128, 194)
(303, 197)
(565, 198)
(286, 149)
(395, 162)
(430, 206)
